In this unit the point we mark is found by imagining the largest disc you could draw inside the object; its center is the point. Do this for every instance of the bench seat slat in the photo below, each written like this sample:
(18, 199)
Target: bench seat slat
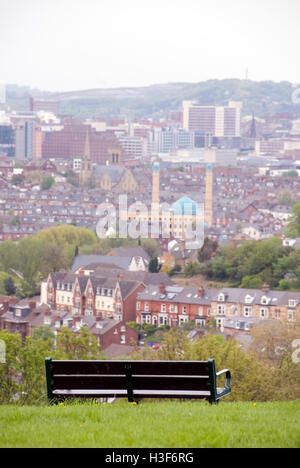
(138, 382)
(139, 393)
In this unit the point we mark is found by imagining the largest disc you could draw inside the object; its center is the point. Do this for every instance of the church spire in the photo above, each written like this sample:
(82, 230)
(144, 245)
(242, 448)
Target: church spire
(253, 127)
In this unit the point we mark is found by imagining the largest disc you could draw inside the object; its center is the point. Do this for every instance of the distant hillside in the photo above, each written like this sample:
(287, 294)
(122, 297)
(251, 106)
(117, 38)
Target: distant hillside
(262, 98)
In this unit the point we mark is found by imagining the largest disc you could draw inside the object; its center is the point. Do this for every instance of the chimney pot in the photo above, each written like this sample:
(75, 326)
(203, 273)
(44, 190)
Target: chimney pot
(265, 288)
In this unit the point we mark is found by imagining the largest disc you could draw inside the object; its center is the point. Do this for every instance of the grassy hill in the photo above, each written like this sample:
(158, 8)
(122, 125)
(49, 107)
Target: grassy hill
(156, 101)
(164, 424)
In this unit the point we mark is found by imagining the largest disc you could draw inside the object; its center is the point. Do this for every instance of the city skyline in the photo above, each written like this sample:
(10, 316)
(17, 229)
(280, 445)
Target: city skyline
(65, 46)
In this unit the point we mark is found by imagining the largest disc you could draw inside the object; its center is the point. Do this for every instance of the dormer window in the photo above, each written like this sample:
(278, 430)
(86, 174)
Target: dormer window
(264, 300)
(221, 297)
(248, 299)
(292, 303)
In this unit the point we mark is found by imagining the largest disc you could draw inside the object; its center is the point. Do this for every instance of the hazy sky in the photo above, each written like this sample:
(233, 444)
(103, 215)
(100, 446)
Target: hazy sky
(78, 44)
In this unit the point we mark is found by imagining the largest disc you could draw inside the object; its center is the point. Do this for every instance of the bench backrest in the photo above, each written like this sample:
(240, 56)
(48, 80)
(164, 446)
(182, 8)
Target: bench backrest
(131, 379)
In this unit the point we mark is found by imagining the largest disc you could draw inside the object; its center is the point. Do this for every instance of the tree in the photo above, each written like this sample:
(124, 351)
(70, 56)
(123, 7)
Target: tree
(9, 286)
(77, 346)
(154, 266)
(47, 182)
(45, 333)
(286, 197)
(10, 369)
(207, 250)
(294, 221)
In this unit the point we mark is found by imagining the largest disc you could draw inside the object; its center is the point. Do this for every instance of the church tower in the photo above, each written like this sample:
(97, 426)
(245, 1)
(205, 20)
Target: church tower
(86, 171)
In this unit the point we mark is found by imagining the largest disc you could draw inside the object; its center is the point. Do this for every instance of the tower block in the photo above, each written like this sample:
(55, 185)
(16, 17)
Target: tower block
(208, 215)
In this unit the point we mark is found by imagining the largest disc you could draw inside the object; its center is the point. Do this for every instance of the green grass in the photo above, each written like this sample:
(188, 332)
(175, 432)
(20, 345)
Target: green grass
(164, 424)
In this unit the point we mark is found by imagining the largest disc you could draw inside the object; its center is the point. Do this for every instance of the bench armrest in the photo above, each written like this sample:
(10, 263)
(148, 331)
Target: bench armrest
(227, 388)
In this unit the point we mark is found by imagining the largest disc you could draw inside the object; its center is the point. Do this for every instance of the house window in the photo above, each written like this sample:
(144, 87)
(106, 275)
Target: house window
(292, 303)
(264, 313)
(163, 307)
(247, 311)
(221, 310)
(221, 297)
(291, 316)
(146, 307)
(183, 320)
(264, 300)
(163, 320)
(277, 313)
(138, 306)
(183, 309)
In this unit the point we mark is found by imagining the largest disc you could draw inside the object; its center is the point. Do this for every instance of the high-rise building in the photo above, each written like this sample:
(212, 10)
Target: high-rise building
(219, 121)
(7, 140)
(25, 139)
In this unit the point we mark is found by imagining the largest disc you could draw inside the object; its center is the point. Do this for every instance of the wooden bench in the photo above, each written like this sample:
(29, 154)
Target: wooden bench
(135, 379)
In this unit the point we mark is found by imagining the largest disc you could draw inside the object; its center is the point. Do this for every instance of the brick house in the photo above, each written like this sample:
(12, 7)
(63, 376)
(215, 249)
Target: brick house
(173, 305)
(88, 295)
(259, 304)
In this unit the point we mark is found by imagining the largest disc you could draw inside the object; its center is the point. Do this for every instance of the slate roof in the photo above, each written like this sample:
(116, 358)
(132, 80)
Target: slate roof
(276, 298)
(83, 260)
(178, 294)
(130, 252)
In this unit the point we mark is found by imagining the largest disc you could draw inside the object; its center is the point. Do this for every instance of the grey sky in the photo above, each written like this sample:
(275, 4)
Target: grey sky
(81, 44)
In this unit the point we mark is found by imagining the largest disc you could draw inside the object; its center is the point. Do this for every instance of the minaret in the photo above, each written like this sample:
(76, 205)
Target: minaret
(86, 171)
(155, 201)
(208, 216)
(155, 183)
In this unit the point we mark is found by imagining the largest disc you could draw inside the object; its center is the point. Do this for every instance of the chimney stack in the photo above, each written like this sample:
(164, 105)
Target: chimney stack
(201, 291)
(32, 306)
(162, 288)
(265, 288)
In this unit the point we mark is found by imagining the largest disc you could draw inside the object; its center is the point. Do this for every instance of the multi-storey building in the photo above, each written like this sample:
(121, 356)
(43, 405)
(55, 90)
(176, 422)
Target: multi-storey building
(88, 295)
(219, 121)
(255, 304)
(70, 142)
(173, 305)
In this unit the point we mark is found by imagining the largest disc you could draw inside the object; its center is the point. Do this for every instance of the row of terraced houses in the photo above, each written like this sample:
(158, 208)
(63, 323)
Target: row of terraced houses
(136, 298)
